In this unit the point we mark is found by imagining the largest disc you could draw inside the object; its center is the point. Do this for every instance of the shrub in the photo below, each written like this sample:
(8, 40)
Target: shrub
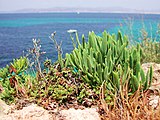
(13, 79)
(109, 59)
(150, 47)
(58, 85)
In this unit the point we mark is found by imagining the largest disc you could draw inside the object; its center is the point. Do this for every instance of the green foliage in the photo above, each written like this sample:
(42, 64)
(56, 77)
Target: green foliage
(60, 85)
(12, 79)
(108, 58)
(150, 46)
(8, 92)
(104, 60)
(59, 49)
(4, 72)
(20, 64)
(151, 51)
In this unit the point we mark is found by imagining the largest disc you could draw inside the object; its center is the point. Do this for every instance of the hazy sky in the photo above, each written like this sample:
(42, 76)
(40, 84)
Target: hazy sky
(11, 5)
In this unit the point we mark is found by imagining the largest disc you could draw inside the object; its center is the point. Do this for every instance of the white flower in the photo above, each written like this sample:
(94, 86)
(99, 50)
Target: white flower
(72, 31)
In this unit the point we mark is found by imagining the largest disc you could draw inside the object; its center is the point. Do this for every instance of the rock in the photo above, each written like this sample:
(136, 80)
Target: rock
(156, 74)
(32, 112)
(154, 97)
(4, 108)
(154, 101)
(85, 114)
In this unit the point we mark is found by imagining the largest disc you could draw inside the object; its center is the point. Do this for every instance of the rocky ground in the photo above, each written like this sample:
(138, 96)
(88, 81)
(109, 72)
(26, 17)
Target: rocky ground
(154, 97)
(34, 112)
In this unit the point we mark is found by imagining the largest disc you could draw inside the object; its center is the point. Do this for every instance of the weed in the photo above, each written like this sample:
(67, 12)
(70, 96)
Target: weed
(150, 47)
(134, 107)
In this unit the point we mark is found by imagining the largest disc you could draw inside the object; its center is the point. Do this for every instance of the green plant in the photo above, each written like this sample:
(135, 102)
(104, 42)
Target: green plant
(20, 65)
(58, 85)
(12, 79)
(150, 47)
(108, 58)
(59, 49)
(148, 39)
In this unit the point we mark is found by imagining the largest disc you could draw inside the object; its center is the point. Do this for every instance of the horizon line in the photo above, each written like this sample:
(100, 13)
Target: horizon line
(79, 12)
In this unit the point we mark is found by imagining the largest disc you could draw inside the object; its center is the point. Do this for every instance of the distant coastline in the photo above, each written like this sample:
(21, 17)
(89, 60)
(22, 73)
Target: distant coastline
(154, 13)
(85, 10)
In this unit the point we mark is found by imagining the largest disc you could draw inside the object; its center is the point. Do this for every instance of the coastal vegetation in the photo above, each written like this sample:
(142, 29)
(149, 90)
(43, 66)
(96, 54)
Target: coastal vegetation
(102, 70)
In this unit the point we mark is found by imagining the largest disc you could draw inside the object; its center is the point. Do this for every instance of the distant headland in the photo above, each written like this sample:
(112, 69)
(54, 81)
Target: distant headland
(86, 10)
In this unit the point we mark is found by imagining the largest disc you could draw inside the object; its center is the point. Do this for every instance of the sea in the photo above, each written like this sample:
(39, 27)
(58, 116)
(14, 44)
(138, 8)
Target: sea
(17, 30)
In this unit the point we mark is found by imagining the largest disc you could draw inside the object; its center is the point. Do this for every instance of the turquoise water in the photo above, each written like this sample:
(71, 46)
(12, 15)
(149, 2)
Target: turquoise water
(18, 30)
(41, 21)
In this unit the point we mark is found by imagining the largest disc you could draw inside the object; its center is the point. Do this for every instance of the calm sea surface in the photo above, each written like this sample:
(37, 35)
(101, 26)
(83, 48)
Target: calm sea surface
(18, 30)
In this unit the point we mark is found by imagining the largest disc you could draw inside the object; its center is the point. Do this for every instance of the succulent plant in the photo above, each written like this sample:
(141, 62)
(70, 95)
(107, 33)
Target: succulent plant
(13, 78)
(109, 58)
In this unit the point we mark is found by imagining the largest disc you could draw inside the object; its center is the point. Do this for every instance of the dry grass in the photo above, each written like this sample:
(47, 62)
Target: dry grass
(134, 107)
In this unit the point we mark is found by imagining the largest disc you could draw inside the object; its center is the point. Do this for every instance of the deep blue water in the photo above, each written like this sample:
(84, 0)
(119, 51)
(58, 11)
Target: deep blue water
(18, 30)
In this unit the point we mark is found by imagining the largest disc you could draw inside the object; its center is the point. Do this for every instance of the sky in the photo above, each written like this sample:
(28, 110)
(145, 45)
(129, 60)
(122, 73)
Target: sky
(12, 5)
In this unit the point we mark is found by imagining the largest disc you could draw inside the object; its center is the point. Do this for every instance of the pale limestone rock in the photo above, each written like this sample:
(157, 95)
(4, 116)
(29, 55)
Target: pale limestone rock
(32, 112)
(85, 114)
(156, 74)
(4, 108)
(154, 98)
